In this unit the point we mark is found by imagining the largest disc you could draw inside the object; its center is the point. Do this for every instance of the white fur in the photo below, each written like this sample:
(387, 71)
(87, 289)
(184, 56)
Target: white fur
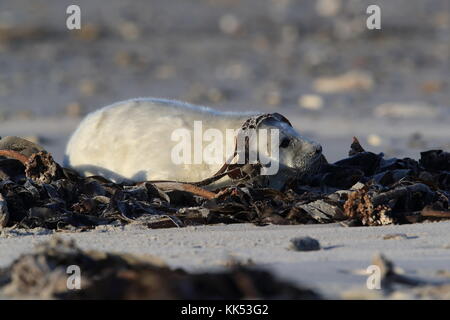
(131, 140)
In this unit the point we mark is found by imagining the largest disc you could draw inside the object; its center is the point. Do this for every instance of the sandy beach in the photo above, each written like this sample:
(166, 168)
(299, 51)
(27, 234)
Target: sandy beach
(337, 271)
(328, 75)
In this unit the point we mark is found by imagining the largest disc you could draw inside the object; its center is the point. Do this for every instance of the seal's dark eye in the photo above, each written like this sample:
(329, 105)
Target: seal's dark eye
(285, 143)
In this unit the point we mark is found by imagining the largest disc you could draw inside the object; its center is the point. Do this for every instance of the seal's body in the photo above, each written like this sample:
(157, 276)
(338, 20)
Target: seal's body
(132, 141)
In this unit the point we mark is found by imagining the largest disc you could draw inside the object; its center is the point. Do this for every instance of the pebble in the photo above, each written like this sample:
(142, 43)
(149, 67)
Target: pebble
(88, 32)
(260, 43)
(233, 71)
(443, 273)
(305, 244)
(405, 110)
(310, 101)
(229, 24)
(416, 141)
(87, 87)
(74, 110)
(289, 34)
(432, 87)
(374, 140)
(328, 8)
(124, 59)
(215, 95)
(273, 98)
(165, 72)
(24, 114)
(200, 93)
(3, 115)
(129, 30)
(350, 81)
(395, 236)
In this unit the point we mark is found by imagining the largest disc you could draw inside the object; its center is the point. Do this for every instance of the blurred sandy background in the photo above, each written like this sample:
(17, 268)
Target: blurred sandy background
(312, 60)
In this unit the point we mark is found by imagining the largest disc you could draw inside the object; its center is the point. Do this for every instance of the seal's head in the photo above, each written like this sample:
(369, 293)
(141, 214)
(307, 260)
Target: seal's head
(296, 153)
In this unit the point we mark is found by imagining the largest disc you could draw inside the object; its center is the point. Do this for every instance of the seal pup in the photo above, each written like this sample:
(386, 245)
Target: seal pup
(132, 141)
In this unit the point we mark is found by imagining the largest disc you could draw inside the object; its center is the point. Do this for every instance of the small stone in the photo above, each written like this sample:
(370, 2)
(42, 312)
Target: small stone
(395, 236)
(88, 32)
(432, 86)
(404, 110)
(350, 81)
(124, 59)
(74, 110)
(310, 101)
(374, 140)
(443, 273)
(328, 8)
(195, 92)
(417, 141)
(233, 71)
(229, 24)
(3, 115)
(165, 72)
(305, 244)
(289, 34)
(129, 30)
(87, 87)
(24, 114)
(261, 43)
(215, 95)
(273, 98)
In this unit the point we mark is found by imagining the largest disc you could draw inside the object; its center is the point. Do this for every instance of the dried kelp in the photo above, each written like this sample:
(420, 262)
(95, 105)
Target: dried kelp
(103, 275)
(385, 191)
(364, 189)
(360, 206)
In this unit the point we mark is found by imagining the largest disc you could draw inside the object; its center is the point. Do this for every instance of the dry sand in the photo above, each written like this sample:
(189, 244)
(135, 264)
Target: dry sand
(179, 50)
(424, 253)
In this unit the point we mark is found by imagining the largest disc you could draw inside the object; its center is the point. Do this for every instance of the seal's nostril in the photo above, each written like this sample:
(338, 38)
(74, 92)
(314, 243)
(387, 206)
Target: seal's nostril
(318, 148)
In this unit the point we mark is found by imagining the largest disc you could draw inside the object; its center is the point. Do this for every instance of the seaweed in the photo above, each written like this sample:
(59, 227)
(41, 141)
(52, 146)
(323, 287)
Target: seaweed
(365, 189)
(104, 275)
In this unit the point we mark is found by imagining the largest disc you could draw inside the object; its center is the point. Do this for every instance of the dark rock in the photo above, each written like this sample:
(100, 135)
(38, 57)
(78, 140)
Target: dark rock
(305, 244)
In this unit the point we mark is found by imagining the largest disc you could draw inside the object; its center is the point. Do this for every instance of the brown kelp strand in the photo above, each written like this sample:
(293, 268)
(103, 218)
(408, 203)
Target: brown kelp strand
(363, 189)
